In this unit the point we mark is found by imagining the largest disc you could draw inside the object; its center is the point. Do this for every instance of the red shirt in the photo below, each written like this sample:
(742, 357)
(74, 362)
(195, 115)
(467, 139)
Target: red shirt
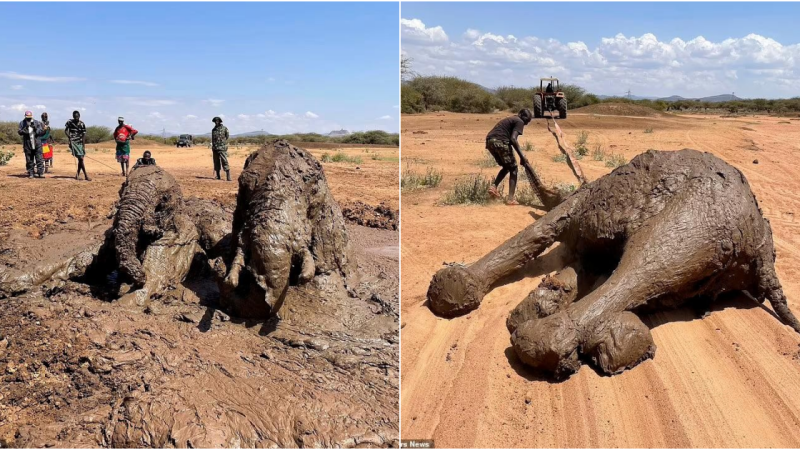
(123, 133)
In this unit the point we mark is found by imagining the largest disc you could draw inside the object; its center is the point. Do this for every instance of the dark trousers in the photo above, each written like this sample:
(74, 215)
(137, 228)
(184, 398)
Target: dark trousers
(220, 160)
(34, 159)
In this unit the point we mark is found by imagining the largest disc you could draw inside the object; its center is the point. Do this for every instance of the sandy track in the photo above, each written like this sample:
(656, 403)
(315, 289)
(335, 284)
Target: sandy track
(731, 379)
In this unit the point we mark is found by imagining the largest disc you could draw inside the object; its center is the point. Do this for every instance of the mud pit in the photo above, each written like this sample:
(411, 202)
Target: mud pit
(711, 378)
(149, 357)
(666, 229)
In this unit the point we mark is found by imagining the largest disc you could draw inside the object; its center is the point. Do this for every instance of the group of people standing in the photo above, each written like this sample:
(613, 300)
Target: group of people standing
(36, 135)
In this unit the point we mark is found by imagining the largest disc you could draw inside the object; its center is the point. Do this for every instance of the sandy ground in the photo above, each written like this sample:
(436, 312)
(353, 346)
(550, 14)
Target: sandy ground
(39, 206)
(731, 379)
(77, 371)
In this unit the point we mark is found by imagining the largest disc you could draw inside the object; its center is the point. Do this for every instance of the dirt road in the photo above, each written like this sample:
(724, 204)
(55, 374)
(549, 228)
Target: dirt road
(731, 379)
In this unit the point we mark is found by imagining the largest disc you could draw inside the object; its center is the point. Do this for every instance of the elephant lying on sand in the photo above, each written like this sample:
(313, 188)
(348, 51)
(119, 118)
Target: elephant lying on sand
(665, 229)
(287, 230)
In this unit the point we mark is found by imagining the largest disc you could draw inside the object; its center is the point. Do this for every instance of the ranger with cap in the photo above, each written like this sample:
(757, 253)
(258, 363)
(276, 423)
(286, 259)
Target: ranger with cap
(501, 143)
(31, 131)
(123, 135)
(219, 147)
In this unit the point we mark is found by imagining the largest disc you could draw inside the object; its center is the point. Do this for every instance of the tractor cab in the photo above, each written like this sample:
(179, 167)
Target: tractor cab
(549, 97)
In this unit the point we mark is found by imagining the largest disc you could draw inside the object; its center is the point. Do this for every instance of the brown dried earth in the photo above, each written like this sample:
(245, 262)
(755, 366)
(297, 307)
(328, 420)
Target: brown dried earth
(78, 371)
(729, 379)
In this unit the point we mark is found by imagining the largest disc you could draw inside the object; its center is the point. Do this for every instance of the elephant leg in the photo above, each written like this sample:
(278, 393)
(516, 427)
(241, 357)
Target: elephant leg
(654, 264)
(457, 290)
(618, 343)
(553, 294)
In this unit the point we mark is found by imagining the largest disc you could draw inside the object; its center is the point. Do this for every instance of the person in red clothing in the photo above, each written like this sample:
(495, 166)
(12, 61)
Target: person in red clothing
(124, 134)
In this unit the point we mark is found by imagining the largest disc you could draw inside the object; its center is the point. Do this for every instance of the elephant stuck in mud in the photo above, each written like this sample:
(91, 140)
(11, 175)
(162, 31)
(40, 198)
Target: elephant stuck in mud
(287, 230)
(667, 229)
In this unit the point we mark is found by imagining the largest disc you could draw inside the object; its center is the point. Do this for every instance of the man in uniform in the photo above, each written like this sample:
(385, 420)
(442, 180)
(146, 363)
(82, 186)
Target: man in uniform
(31, 131)
(219, 147)
(501, 143)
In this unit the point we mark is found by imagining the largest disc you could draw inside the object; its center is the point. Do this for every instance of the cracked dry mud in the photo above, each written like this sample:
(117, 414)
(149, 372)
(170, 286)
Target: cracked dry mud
(80, 366)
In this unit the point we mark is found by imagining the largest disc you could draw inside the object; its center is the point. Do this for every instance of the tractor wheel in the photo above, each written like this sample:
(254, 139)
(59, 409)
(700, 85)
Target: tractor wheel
(537, 106)
(562, 108)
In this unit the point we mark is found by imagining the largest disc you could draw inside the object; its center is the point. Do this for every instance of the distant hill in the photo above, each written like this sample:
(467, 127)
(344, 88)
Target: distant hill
(711, 99)
(489, 90)
(339, 133)
(632, 97)
(251, 133)
(673, 98)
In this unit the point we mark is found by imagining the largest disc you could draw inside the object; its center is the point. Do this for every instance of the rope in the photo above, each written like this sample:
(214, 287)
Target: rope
(99, 162)
(565, 149)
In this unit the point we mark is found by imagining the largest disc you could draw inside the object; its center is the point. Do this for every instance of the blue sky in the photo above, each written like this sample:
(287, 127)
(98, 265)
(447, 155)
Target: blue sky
(690, 49)
(280, 67)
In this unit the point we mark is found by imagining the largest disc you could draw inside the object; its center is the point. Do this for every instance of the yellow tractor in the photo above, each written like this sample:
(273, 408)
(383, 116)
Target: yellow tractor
(549, 98)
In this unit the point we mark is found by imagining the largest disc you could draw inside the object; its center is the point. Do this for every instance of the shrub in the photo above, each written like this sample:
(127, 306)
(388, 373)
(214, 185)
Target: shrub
(516, 98)
(526, 196)
(616, 160)
(565, 189)
(599, 153)
(487, 161)
(5, 156)
(528, 147)
(96, 134)
(451, 94)
(411, 101)
(470, 190)
(8, 133)
(374, 137)
(648, 130)
(580, 145)
(341, 157)
(560, 158)
(410, 180)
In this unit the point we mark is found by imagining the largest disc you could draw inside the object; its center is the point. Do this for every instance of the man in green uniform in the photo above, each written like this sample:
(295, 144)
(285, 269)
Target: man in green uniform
(501, 143)
(75, 130)
(219, 147)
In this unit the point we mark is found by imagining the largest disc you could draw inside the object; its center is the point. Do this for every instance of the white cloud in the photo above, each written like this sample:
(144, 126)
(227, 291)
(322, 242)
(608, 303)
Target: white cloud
(155, 115)
(21, 76)
(40, 107)
(141, 83)
(416, 30)
(214, 102)
(16, 87)
(19, 107)
(311, 115)
(190, 117)
(387, 117)
(243, 116)
(752, 65)
(147, 101)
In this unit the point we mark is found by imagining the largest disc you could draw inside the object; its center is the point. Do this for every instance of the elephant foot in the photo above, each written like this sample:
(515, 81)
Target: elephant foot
(455, 291)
